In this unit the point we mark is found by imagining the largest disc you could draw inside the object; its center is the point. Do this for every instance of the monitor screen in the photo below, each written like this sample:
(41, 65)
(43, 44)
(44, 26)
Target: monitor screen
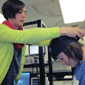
(34, 50)
(25, 79)
(35, 81)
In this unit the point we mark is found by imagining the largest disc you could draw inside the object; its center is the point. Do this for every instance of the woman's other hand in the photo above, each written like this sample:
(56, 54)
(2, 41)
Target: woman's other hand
(72, 32)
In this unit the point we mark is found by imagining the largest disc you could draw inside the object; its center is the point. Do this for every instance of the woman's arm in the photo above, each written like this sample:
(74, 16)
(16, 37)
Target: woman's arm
(28, 36)
(68, 31)
(37, 35)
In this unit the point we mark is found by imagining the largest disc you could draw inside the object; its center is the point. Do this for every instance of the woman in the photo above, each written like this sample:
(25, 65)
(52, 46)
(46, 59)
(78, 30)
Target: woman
(72, 53)
(13, 40)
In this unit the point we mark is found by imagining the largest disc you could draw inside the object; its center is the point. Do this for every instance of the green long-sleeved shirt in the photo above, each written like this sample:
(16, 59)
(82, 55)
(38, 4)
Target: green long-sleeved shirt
(36, 36)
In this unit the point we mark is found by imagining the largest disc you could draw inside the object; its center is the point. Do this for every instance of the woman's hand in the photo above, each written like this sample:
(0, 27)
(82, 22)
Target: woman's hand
(72, 32)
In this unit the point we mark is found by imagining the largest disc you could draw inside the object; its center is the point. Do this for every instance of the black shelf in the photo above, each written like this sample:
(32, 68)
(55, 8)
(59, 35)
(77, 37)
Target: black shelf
(41, 58)
(33, 65)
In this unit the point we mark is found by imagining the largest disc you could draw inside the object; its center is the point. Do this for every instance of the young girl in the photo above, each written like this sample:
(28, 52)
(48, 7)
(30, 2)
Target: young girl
(72, 53)
(13, 40)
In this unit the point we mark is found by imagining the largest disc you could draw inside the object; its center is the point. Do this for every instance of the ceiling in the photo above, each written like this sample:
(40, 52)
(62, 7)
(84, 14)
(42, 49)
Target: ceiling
(48, 11)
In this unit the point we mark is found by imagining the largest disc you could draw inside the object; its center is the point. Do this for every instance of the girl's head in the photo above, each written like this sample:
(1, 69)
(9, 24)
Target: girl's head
(74, 51)
(67, 49)
(72, 54)
(11, 7)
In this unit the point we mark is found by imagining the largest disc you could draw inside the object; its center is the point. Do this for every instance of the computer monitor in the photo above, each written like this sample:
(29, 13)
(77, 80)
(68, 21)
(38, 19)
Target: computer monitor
(25, 79)
(34, 50)
(35, 81)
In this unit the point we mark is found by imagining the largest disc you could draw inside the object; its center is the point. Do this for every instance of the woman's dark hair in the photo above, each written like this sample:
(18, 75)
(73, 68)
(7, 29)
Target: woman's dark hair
(74, 51)
(11, 7)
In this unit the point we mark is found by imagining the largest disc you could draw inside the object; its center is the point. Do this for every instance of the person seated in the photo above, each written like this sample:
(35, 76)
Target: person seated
(71, 53)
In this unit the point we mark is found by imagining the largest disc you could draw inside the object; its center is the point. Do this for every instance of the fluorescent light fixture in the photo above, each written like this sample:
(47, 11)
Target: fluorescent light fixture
(73, 10)
(1, 18)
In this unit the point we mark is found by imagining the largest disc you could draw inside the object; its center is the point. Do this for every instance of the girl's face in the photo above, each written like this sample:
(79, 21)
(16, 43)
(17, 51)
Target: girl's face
(19, 18)
(67, 61)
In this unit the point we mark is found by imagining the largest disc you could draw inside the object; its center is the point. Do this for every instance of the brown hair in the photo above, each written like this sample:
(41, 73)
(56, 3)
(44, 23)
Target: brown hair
(11, 7)
(74, 51)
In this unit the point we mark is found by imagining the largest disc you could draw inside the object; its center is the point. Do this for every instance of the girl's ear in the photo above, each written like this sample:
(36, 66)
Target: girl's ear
(73, 54)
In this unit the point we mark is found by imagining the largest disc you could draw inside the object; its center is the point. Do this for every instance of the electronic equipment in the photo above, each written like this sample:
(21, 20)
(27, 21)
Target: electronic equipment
(34, 50)
(25, 79)
(35, 81)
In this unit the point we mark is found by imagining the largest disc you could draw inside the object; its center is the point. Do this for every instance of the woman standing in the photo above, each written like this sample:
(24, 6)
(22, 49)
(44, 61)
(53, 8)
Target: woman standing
(13, 40)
